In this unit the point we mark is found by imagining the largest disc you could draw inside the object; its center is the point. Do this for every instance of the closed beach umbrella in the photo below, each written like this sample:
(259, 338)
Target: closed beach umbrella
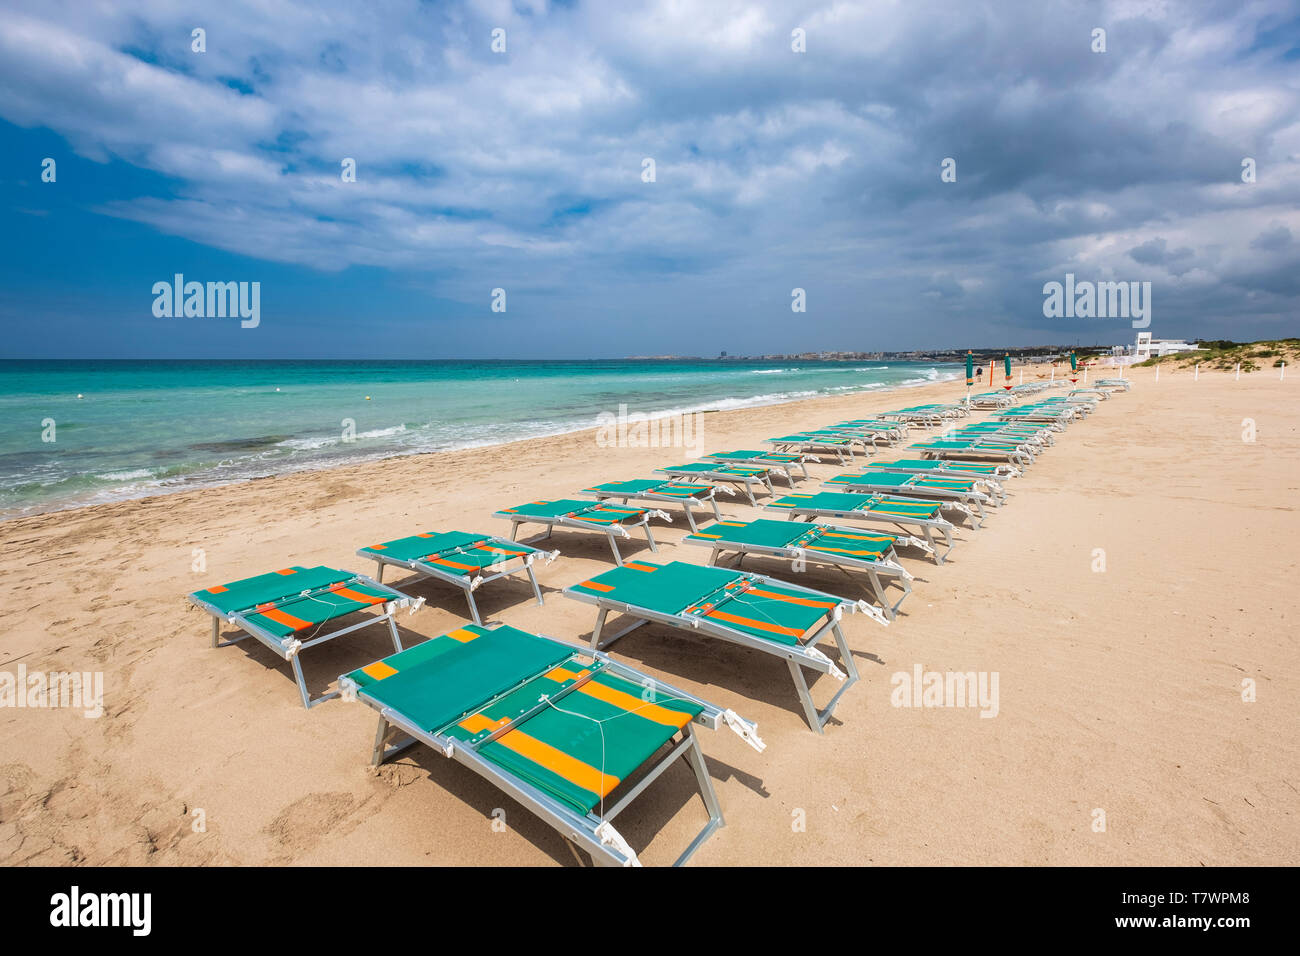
(1074, 367)
(970, 374)
(1006, 364)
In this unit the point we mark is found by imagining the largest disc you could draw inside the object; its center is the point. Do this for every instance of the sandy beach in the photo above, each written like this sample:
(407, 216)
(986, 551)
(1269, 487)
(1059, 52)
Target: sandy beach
(1121, 690)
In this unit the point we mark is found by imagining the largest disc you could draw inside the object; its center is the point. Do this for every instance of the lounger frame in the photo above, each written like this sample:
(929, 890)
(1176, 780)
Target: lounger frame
(593, 834)
(797, 656)
(611, 531)
(469, 583)
(887, 565)
(289, 646)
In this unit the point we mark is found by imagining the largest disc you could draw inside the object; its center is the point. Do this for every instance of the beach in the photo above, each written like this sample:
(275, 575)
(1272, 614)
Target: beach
(1120, 689)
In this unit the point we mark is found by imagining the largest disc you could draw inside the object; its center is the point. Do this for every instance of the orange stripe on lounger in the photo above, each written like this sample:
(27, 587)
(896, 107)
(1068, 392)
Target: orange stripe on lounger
(286, 571)
(642, 708)
(357, 596)
(498, 550)
(379, 670)
(791, 599)
(560, 675)
(596, 586)
(452, 564)
(462, 634)
(288, 620)
(217, 589)
(544, 755)
(760, 625)
(635, 566)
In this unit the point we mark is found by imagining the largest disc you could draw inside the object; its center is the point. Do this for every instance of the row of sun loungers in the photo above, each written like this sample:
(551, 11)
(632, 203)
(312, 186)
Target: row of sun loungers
(566, 730)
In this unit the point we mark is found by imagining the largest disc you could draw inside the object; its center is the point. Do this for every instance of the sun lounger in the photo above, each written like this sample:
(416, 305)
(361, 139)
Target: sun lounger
(572, 735)
(747, 475)
(975, 448)
(656, 489)
(904, 513)
(949, 490)
(934, 413)
(819, 445)
(890, 431)
(1035, 436)
(871, 552)
(776, 462)
(751, 610)
(1121, 383)
(993, 475)
(991, 400)
(610, 520)
(286, 609)
(460, 558)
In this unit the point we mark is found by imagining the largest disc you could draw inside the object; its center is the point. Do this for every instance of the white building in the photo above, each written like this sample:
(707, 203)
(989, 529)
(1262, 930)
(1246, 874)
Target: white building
(1147, 347)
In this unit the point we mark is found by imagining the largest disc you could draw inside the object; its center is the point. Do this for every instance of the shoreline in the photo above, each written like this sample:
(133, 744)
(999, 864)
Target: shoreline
(311, 468)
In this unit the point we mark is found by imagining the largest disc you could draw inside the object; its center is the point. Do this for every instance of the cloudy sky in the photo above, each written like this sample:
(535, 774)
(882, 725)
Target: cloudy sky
(524, 170)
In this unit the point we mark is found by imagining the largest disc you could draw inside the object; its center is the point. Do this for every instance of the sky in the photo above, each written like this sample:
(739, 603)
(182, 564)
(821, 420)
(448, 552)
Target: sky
(524, 169)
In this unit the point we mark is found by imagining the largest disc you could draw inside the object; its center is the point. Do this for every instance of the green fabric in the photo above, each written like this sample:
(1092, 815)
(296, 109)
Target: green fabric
(845, 502)
(769, 533)
(669, 588)
(419, 546)
(742, 456)
(900, 478)
(812, 438)
(725, 598)
(443, 683)
(314, 610)
(596, 512)
(927, 465)
(705, 468)
(262, 588)
(655, 486)
(443, 679)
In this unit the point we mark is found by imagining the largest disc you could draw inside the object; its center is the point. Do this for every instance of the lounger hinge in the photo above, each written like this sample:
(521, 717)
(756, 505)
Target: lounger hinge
(871, 611)
(744, 729)
(610, 837)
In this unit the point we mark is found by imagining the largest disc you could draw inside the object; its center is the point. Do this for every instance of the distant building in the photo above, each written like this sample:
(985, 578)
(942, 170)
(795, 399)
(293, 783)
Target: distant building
(1146, 347)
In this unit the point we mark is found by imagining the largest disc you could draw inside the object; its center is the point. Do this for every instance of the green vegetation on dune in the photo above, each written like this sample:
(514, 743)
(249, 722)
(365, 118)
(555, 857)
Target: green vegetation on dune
(1224, 355)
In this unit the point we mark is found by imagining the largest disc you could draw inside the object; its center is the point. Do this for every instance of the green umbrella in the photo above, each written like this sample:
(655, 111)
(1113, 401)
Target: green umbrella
(1074, 367)
(1006, 364)
(970, 374)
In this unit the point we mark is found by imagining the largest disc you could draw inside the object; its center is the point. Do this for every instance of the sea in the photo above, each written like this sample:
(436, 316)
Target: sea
(83, 432)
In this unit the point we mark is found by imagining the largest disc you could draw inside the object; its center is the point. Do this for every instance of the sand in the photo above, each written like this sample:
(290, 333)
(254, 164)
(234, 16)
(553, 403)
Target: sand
(1120, 691)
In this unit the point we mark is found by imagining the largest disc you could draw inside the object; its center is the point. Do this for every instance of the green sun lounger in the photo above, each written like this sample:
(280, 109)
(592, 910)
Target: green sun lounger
(751, 610)
(889, 431)
(286, 609)
(992, 475)
(460, 558)
(1120, 383)
(571, 734)
(775, 462)
(961, 494)
(935, 413)
(819, 445)
(684, 493)
(1036, 439)
(750, 476)
(904, 513)
(611, 520)
(871, 552)
(972, 448)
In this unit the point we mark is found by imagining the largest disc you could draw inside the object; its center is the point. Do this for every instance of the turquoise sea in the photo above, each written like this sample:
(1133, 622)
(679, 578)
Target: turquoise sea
(128, 429)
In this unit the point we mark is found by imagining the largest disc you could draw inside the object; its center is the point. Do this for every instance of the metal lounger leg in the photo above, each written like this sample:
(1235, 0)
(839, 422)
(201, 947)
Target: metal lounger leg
(473, 606)
(690, 518)
(613, 546)
(695, 757)
(392, 630)
(537, 588)
(650, 534)
(302, 687)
